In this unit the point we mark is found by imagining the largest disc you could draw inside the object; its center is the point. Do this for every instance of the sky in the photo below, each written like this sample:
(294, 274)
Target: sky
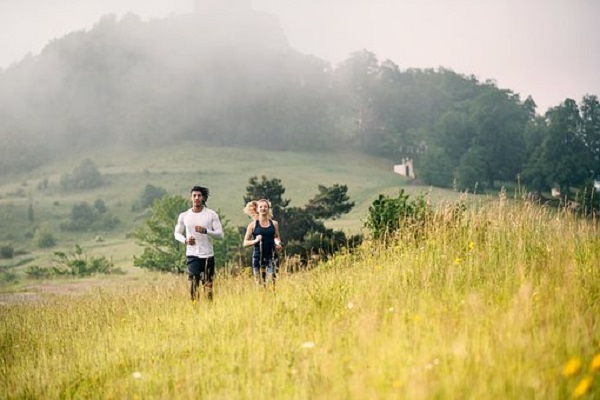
(547, 49)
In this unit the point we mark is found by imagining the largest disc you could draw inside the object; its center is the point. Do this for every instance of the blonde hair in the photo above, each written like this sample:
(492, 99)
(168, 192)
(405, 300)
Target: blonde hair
(251, 208)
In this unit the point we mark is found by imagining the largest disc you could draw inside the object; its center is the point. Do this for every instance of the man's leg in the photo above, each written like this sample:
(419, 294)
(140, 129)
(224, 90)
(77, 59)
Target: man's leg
(208, 276)
(194, 287)
(193, 264)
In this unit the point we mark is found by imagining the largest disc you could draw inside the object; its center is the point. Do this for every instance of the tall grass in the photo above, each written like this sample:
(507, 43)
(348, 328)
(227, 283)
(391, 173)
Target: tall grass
(498, 302)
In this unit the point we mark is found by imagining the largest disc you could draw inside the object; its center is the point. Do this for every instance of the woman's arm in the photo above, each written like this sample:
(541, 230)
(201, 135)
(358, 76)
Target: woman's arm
(277, 237)
(248, 237)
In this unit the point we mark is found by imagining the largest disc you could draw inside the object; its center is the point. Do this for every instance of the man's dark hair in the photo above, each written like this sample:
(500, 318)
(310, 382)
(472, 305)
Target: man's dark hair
(202, 190)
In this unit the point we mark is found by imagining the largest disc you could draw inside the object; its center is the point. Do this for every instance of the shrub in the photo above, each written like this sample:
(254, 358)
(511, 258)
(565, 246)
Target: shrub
(7, 251)
(387, 215)
(77, 264)
(44, 239)
(37, 272)
(147, 197)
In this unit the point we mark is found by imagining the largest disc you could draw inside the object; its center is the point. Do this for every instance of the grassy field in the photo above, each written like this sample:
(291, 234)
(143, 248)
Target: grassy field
(501, 302)
(225, 171)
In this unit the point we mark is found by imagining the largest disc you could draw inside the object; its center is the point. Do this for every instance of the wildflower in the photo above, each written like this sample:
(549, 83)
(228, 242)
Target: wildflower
(595, 365)
(308, 345)
(471, 245)
(583, 386)
(350, 305)
(457, 261)
(391, 309)
(136, 375)
(572, 367)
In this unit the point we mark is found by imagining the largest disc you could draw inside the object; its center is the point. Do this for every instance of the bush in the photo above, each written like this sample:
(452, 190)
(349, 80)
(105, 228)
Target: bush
(77, 264)
(148, 196)
(85, 218)
(387, 215)
(44, 239)
(37, 272)
(85, 176)
(7, 251)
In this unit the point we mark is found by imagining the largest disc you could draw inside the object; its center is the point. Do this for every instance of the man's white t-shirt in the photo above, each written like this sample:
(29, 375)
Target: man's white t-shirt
(185, 227)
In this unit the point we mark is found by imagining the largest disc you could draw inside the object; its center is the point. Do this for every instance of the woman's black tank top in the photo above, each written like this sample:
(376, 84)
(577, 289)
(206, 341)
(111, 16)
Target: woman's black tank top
(268, 240)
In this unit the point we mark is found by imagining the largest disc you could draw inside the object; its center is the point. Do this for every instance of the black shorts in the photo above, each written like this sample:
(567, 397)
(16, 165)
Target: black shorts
(202, 267)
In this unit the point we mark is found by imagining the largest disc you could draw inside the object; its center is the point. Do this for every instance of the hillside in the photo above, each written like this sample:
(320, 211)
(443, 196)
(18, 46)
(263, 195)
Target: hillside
(225, 170)
(498, 302)
(233, 80)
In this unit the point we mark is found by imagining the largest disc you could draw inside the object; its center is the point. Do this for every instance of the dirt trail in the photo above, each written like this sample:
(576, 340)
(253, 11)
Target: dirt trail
(35, 292)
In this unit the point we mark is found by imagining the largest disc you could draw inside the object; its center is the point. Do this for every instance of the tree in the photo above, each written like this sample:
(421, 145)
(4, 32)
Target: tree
(435, 167)
(100, 206)
(564, 151)
(162, 252)
(30, 212)
(499, 121)
(533, 173)
(270, 189)
(470, 173)
(85, 176)
(84, 217)
(330, 203)
(302, 229)
(590, 119)
(149, 194)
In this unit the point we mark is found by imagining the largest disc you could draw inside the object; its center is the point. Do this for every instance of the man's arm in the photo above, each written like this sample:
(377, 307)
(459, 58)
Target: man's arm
(216, 229)
(180, 229)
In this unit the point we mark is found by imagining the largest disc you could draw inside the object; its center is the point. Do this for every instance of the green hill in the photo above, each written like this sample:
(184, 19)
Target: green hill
(36, 200)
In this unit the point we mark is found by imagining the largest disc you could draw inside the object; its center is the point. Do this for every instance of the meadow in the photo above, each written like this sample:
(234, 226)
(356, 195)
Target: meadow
(177, 167)
(500, 301)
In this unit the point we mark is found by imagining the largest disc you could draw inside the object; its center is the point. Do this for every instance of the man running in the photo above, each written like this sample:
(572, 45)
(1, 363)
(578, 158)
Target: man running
(197, 227)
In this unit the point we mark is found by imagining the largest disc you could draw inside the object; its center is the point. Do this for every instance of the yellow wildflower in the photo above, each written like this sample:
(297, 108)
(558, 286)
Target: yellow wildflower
(457, 261)
(572, 367)
(595, 365)
(583, 386)
(471, 245)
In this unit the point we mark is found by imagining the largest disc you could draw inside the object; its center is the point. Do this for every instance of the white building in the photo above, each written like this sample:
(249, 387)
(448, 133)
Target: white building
(406, 168)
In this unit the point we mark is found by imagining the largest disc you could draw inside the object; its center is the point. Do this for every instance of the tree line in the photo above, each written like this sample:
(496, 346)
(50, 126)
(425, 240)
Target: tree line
(132, 83)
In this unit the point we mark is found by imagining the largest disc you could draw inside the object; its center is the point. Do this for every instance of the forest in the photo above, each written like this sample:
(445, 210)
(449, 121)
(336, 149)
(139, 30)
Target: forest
(236, 81)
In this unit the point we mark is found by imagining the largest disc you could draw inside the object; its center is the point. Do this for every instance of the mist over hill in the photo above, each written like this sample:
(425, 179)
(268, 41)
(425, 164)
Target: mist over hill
(132, 82)
(228, 76)
(219, 77)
